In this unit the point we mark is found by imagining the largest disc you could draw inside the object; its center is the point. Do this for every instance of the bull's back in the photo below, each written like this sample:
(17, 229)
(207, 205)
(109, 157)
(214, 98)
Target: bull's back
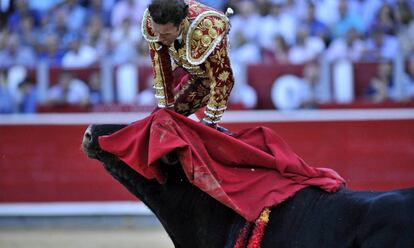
(314, 218)
(389, 221)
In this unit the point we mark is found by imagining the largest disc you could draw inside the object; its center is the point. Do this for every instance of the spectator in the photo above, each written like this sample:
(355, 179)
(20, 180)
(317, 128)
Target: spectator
(385, 20)
(408, 81)
(28, 101)
(382, 86)
(95, 88)
(313, 94)
(16, 74)
(306, 49)
(127, 31)
(95, 9)
(347, 20)
(244, 96)
(5, 12)
(43, 7)
(15, 54)
(79, 54)
(277, 23)
(327, 11)
(405, 35)
(403, 13)
(380, 46)
(21, 10)
(94, 31)
(244, 23)
(26, 32)
(75, 15)
(290, 92)
(56, 24)
(6, 98)
(295, 8)
(128, 9)
(405, 40)
(51, 52)
(125, 39)
(278, 53)
(349, 48)
(314, 25)
(69, 90)
(4, 36)
(366, 10)
(263, 7)
(243, 51)
(146, 97)
(144, 58)
(104, 45)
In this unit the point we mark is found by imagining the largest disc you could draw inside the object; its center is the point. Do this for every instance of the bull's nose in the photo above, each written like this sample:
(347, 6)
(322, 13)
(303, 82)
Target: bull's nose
(87, 137)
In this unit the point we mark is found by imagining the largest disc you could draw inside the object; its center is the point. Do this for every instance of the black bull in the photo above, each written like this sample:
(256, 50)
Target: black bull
(312, 218)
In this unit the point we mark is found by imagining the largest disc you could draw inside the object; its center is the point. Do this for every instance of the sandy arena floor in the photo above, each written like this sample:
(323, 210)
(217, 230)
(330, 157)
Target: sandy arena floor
(85, 238)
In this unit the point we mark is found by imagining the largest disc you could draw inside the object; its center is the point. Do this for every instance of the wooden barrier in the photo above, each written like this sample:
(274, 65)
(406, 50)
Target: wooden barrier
(41, 159)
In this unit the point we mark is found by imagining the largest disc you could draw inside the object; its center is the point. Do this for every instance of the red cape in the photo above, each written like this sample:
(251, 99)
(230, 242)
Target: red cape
(248, 172)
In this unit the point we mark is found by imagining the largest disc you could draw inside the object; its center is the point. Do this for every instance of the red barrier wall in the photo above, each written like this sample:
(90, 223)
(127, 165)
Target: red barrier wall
(42, 163)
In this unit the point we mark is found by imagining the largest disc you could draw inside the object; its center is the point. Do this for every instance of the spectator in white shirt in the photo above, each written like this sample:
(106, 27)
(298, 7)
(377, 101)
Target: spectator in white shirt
(132, 9)
(380, 46)
(79, 55)
(350, 48)
(245, 23)
(277, 23)
(125, 39)
(69, 90)
(75, 15)
(408, 81)
(307, 48)
(13, 53)
(327, 11)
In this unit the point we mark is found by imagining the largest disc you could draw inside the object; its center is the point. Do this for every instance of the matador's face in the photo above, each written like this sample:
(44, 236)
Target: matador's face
(167, 33)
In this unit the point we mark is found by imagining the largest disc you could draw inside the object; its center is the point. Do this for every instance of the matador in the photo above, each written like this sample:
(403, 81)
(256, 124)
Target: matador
(187, 35)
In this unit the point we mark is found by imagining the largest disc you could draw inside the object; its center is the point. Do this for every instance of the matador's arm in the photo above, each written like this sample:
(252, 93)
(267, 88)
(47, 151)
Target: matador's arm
(220, 77)
(163, 77)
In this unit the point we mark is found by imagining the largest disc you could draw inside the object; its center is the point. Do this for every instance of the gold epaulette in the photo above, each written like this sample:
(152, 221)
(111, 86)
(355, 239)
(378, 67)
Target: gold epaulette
(146, 28)
(205, 33)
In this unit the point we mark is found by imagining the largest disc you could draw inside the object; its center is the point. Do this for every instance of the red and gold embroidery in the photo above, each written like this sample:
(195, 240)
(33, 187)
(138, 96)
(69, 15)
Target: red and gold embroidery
(221, 82)
(203, 55)
(146, 28)
(204, 34)
(162, 75)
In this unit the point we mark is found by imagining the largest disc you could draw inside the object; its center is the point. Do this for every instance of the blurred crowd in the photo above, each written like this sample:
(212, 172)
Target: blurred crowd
(300, 31)
(83, 33)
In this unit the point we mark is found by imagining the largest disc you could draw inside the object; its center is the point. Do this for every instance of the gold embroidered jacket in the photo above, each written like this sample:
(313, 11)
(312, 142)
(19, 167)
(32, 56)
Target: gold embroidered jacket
(203, 55)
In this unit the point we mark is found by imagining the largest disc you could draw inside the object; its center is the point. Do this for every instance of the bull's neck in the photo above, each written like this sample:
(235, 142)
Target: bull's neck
(190, 216)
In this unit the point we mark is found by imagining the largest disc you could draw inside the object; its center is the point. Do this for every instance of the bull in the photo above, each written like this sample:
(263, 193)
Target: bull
(312, 218)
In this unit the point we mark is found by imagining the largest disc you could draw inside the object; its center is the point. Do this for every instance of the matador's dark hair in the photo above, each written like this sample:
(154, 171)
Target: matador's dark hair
(168, 11)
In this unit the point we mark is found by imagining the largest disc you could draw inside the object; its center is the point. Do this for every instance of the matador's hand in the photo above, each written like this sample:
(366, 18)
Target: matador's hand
(208, 124)
(218, 128)
(224, 130)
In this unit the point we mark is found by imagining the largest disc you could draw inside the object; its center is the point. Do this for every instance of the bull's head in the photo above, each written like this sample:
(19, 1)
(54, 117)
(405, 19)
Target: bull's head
(181, 218)
(90, 143)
